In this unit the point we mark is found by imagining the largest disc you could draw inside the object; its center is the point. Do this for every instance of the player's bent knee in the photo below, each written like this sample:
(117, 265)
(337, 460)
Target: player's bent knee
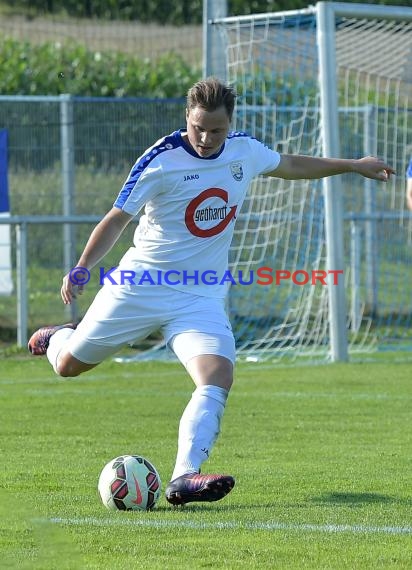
(69, 367)
(67, 372)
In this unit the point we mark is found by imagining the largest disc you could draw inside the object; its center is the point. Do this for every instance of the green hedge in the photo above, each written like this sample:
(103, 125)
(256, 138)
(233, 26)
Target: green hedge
(48, 69)
(51, 69)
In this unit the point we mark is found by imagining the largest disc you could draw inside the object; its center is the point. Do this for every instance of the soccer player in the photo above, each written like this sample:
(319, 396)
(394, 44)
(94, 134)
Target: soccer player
(409, 185)
(191, 184)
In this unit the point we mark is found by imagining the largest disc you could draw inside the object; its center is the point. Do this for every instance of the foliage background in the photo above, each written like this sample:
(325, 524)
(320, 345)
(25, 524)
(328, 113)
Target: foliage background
(40, 64)
(52, 69)
(161, 11)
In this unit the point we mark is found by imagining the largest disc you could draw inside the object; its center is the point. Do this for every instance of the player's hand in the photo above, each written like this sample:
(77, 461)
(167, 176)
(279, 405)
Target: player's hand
(69, 291)
(73, 284)
(372, 167)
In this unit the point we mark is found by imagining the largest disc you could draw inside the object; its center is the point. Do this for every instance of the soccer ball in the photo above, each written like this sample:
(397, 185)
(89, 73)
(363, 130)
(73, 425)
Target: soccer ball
(129, 483)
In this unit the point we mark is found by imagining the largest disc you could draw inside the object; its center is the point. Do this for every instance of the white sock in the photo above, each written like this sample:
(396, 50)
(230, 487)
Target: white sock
(199, 428)
(57, 341)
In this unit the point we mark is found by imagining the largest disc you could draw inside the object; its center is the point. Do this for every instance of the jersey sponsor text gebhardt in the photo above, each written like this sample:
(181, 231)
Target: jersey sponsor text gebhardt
(226, 214)
(195, 214)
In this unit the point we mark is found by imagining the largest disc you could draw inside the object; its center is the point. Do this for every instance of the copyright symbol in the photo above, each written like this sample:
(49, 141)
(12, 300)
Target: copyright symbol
(79, 276)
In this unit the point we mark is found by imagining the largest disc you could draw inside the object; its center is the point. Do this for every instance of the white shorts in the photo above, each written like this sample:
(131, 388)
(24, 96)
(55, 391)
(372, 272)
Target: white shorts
(187, 345)
(120, 315)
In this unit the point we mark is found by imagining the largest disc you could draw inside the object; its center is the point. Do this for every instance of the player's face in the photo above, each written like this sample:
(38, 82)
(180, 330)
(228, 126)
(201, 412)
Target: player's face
(207, 130)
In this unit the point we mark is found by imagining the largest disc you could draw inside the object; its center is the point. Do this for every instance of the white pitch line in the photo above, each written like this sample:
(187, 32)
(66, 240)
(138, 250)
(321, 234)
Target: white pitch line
(54, 380)
(268, 526)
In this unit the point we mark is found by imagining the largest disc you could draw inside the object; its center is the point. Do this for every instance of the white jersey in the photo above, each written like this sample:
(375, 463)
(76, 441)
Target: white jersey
(191, 204)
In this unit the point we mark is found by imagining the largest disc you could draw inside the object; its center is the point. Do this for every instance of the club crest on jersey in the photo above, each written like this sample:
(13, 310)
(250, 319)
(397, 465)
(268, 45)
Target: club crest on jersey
(237, 171)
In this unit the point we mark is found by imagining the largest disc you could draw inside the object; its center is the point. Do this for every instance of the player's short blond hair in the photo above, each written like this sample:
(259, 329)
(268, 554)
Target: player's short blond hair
(210, 94)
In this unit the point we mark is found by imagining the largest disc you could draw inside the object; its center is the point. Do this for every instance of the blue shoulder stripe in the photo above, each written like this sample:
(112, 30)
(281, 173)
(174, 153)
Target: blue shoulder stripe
(169, 142)
(237, 134)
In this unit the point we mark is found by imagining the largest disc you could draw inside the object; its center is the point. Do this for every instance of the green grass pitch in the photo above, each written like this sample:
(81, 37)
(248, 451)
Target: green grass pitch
(321, 456)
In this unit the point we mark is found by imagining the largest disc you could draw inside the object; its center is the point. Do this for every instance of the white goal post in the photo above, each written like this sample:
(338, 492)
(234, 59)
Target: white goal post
(334, 79)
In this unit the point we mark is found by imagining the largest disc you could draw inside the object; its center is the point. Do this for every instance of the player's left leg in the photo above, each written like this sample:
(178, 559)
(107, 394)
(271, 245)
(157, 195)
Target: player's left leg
(51, 341)
(118, 315)
(200, 423)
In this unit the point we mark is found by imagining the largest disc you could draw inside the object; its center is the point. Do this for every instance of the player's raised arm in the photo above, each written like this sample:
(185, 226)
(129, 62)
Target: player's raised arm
(100, 242)
(295, 167)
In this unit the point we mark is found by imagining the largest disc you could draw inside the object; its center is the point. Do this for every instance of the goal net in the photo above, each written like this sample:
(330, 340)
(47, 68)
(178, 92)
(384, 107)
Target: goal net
(273, 61)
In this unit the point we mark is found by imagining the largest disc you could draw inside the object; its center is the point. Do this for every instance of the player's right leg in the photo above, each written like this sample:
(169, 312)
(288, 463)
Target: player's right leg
(200, 423)
(204, 344)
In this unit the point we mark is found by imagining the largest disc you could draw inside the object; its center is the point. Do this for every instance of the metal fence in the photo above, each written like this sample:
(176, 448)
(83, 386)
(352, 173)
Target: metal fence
(68, 155)
(68, 158)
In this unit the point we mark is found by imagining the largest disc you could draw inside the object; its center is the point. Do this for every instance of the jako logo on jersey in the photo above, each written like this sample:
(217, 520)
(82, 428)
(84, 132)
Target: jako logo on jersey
(190, 177)
(192, 216)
